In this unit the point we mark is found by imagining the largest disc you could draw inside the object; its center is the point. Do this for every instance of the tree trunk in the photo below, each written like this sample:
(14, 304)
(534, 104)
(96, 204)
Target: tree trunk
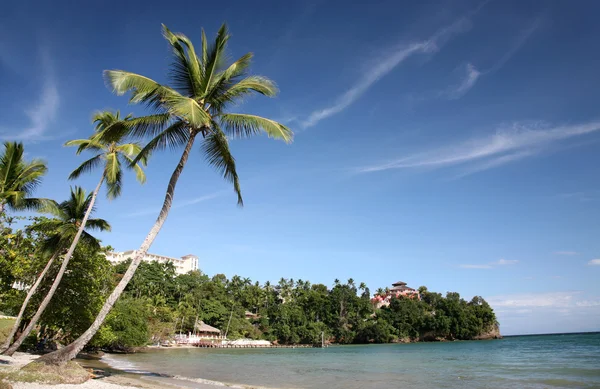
(11, 350)
(30, 294)
(69, 352)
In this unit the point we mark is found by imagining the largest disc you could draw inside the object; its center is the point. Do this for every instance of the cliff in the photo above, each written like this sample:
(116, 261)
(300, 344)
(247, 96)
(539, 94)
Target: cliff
(492, 333)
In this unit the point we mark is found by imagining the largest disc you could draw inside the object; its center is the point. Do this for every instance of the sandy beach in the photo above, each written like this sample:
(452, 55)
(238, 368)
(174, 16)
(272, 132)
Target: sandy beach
(104, 376)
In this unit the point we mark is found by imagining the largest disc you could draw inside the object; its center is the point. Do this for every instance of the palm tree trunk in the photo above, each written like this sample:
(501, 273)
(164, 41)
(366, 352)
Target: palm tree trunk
(11, 350)
(30, 294)
(69, 352)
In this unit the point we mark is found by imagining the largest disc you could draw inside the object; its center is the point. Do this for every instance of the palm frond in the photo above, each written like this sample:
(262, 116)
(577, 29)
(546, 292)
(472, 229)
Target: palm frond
(214, 57)
(90, 241)
(85, 144)
(231, 94)
(136, 127)
(188, 109)
(143, 89)
(227, 78)
(244, 125)
(129, 149)
(185, 72)
(177, 134)
(114, 176)
(35, 204)
(140, 175)
(218, 154)
(86, 167)
(98, 225)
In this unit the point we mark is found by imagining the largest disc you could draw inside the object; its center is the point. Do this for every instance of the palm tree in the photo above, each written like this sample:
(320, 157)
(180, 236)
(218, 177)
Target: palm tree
(203, 88)
(63, 228)
(19, 179)
(113, 154)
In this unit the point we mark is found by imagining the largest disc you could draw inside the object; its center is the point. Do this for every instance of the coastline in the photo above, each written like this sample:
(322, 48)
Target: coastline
(106, 376)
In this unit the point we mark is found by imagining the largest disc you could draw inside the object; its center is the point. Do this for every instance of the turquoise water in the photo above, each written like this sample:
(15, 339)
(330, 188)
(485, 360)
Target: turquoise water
(542, 361)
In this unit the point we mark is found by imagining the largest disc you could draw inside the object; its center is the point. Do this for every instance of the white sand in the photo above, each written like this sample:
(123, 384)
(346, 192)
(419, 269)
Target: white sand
(91, 384)
(19, 360)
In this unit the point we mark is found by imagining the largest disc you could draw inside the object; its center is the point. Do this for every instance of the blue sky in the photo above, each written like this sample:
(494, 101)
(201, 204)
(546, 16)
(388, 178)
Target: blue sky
(447, 144)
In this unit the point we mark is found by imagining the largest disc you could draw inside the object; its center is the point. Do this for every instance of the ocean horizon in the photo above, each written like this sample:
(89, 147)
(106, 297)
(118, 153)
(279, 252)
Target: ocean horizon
(568, 360)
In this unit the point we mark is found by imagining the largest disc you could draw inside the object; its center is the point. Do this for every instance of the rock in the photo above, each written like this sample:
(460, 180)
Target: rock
(492, 333)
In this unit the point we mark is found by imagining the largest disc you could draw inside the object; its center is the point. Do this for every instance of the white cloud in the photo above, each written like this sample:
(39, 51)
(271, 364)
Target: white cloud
(388, 62)
(546, 312)
(468, 82)
(500, 262)
(567, 253)
(508, 144)
(562, 300)
(594, 262)
(521, 40)
(43, 112)
(505, 262)
(475, 266)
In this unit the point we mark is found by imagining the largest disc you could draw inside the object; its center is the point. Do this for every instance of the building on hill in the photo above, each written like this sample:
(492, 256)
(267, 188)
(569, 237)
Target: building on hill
(399, 289)
(183, 265)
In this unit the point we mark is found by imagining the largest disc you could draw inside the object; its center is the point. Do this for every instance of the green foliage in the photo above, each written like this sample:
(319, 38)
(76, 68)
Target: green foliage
(79, 296)
(5, 326)
(158, 304)
(113, 153)
(19, 178)
(126, 326)
(202, 88)
(19, 261)
(436, 317)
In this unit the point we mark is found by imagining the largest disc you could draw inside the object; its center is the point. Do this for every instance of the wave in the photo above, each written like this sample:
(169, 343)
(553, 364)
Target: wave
(129, 367)
(123, 365)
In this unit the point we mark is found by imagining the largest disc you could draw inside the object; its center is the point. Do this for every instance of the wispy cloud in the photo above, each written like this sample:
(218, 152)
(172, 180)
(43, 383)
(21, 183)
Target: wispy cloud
(472, 74)
(521, 40)
(508, 144)
(594, 262)
(469, 80)
(502, 262)
(580, 196)
(43, 112)
(185, 203)
(566, 253)
(536, 300)
(475, 266)
(491, 265)
(546, 312)
(388, 62)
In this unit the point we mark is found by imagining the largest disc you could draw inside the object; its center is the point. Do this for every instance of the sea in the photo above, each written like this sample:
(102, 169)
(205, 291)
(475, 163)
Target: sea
(533, 361)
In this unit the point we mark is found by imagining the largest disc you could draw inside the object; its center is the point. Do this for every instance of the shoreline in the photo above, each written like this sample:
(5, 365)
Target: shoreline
(105, 376)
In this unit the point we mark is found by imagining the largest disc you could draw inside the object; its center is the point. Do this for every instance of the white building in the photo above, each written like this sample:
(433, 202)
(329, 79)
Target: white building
(183, 265)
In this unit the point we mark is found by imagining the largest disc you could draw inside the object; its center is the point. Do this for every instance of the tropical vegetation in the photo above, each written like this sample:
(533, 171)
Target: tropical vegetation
(159, 304)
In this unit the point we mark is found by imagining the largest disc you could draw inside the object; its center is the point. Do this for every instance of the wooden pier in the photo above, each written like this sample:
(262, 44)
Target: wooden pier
(217, 345)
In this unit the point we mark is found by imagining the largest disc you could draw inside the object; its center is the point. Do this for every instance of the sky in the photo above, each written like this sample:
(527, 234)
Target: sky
(447, 144)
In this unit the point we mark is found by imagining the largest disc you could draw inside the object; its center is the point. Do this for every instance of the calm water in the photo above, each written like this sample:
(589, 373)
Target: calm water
(545, 361)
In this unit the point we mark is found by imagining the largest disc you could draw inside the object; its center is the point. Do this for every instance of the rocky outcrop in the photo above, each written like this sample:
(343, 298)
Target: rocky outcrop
(432, 336)
(492, 333)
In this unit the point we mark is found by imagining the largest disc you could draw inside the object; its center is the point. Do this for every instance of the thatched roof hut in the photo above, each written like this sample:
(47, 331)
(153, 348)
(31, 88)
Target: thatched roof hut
(202, 327)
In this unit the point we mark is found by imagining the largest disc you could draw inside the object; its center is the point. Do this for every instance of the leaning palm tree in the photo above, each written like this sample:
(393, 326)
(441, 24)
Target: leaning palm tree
(62, 229)
(196, 104)
(112, 154)
(18, 178)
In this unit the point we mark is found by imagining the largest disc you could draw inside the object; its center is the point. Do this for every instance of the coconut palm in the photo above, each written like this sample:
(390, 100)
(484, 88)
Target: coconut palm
(111, 155)
(196, 104)
(19, 179)
(62, 229)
